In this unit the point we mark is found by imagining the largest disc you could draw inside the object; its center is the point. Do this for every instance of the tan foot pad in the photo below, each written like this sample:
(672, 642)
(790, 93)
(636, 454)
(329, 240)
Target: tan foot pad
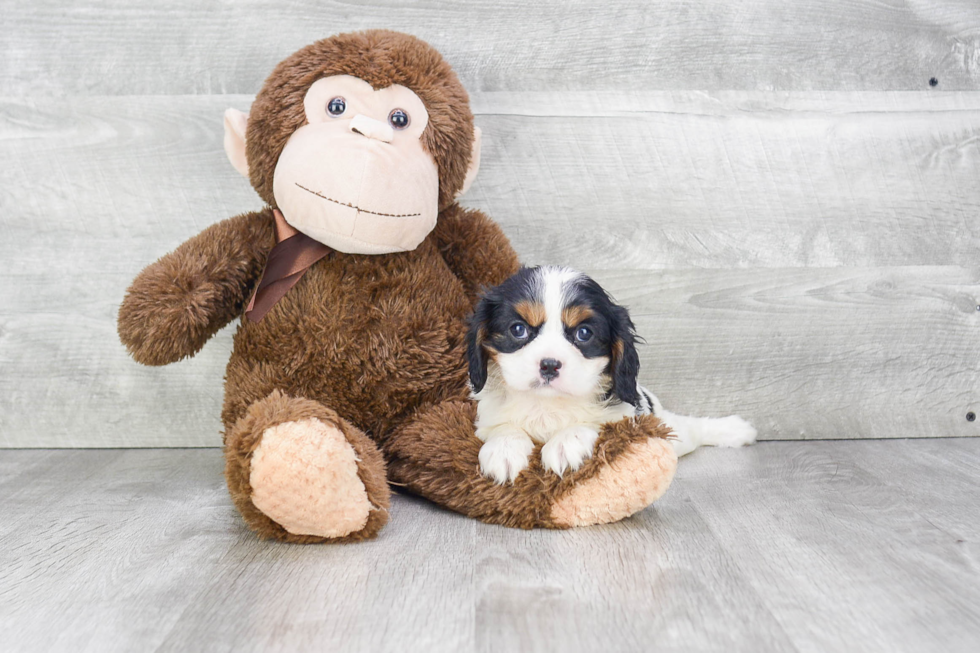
(304, 477)
(627, 485)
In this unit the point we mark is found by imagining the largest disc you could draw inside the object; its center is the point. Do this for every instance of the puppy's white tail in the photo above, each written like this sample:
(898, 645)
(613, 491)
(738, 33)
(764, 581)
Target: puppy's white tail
(694, 432)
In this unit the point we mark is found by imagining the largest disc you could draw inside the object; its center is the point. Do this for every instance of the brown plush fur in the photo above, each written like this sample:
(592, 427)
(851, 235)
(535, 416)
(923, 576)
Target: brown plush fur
(373, 345)
(436, 455)
(373, 337)
(179, 302)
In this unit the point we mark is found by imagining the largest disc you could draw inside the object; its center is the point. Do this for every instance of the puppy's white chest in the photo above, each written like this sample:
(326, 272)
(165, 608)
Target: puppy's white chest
(541, 418)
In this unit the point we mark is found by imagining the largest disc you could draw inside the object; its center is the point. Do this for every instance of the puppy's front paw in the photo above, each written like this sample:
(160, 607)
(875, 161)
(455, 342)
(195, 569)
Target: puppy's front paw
(503, 457)
(731, 431)
(569, 449)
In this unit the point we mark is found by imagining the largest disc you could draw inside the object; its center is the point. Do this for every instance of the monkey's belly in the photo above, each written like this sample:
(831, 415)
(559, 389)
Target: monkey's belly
(370, 337)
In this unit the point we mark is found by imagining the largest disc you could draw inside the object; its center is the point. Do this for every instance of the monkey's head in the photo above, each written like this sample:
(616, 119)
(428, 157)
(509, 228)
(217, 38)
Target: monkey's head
(360, 140)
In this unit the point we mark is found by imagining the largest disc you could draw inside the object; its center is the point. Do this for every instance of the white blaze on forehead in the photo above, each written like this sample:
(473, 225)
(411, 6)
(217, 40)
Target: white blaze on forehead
(558, 285)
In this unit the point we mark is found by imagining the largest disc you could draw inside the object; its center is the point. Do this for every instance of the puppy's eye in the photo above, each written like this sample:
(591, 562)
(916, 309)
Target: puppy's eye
(519, 331)
(398, 119)
(337, 106)
(583, 334)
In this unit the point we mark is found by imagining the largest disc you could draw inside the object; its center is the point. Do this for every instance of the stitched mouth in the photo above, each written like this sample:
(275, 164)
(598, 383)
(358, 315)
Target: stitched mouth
(330, 199)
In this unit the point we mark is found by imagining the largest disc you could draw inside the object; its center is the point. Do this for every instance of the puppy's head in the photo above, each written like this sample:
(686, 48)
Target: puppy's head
(554, 331)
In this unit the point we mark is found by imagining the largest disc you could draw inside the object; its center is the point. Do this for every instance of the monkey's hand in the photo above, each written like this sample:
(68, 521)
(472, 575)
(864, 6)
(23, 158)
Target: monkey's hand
(475, 249)
(176, 304)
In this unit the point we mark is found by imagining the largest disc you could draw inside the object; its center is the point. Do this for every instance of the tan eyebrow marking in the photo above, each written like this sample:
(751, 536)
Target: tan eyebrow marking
(573, 315)
(532, 312)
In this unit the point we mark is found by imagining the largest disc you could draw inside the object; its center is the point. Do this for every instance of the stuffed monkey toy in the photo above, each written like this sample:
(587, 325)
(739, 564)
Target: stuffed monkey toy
(352, 290)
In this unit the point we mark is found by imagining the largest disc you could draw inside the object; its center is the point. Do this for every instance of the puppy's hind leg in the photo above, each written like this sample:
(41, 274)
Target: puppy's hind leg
(694, 432)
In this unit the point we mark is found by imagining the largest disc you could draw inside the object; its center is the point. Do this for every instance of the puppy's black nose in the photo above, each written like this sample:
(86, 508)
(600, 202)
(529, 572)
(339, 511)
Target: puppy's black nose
(549, 368)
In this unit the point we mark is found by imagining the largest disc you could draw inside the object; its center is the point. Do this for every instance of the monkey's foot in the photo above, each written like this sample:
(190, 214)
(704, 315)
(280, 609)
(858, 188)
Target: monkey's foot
(309, 479)
(304, 477)
(629, 483)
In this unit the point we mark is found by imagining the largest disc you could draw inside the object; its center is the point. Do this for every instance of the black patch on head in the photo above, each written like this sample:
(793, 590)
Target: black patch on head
(614, 336)
(493, 318)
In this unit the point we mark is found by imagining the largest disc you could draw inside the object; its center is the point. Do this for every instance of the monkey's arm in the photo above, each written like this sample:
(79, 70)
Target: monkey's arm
(176, 304)
(475, 248)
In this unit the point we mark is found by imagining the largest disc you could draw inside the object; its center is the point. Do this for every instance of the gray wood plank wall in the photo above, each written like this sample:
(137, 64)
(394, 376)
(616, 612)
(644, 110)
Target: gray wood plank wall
(787, 205)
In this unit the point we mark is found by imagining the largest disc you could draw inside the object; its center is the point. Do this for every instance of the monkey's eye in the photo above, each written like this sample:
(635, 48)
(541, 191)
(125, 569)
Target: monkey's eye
(519, 331)
(337, 106)
(398, 119)
(583, 334)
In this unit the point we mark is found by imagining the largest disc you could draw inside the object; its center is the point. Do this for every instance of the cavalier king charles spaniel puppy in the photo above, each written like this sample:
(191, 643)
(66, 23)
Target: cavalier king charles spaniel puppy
(551, 359)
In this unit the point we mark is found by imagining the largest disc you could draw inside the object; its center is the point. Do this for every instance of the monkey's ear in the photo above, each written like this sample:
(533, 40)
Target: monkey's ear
(235, 124)
(474, 166)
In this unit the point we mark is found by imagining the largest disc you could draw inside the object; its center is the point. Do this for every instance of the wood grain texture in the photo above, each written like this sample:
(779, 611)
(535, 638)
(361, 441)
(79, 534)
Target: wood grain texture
(733, 180)
(887, 502)
(122, 47)
(782, 546)
(806, 259)
(812, 353)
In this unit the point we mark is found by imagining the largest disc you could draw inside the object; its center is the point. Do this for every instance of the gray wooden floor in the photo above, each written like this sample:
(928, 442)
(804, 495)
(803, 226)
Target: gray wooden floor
(806, 546)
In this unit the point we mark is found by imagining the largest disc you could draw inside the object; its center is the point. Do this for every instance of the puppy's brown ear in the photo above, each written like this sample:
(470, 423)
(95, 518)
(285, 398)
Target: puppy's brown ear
(625, 362)
(476, 338)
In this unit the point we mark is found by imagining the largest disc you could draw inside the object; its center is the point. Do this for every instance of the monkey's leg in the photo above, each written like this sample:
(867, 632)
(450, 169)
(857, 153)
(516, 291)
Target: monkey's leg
(300, 473)
(436, 455)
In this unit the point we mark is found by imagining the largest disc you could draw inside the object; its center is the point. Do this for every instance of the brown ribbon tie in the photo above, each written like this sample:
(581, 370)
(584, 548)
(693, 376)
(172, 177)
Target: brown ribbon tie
(288, 261)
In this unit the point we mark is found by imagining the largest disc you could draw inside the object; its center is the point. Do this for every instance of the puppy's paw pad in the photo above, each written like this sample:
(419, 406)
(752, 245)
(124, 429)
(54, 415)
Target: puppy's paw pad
(502, 458)
(733, 431)
(569, 449)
